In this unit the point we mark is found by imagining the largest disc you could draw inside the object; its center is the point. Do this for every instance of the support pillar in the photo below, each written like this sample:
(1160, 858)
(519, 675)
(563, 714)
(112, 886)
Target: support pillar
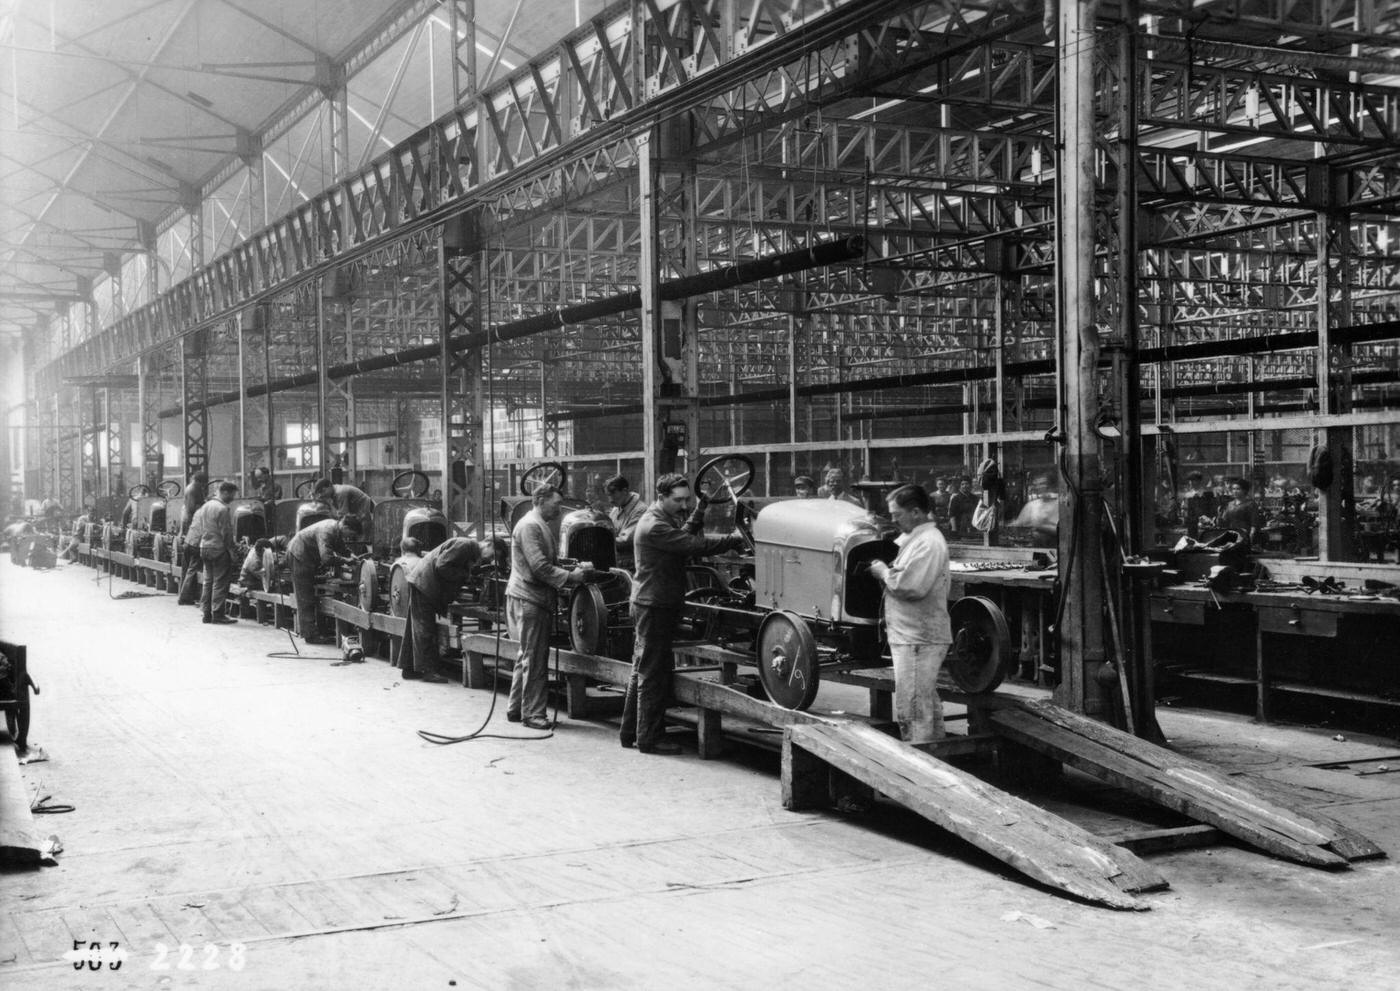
(194, 366)
(148, 402)
(1336, 502)
(1081, 626)
(460, 273)
(649, 285)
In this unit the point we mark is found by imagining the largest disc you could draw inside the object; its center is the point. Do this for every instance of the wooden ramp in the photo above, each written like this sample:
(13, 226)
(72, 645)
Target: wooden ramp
(1037, 843)
(1253, 811)
(20, 842)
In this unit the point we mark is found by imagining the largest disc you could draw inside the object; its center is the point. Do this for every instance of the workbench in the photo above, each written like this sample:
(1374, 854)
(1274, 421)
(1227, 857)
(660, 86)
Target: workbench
(1325, 646)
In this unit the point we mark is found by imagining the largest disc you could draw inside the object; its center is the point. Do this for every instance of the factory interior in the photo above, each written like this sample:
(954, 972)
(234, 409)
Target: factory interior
(402, 337)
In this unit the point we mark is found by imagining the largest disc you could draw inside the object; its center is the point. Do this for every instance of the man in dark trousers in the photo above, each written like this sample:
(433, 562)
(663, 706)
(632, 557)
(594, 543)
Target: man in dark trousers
(433, 585)
(320, 543)
(665, 540)
(214, 524)
(535, 578)
(196, 492)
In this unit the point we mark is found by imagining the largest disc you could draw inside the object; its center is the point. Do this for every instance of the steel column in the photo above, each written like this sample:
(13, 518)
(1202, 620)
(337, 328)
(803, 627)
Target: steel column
(194, 367)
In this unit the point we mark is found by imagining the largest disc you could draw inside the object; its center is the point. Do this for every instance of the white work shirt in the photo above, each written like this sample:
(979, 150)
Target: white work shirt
(916, 589)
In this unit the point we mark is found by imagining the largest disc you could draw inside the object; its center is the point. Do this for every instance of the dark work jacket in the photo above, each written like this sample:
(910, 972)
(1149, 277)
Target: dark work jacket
(317, 542)
(443, 571)
(662, 546)
(195, 495)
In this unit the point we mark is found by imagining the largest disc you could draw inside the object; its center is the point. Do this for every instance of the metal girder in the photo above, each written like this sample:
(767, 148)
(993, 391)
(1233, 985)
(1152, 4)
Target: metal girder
(1335, 21)
(517, 123)
(1168, 176)
(1240, 101)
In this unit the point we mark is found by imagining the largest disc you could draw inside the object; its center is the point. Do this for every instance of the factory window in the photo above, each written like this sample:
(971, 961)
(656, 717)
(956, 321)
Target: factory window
(303, 445)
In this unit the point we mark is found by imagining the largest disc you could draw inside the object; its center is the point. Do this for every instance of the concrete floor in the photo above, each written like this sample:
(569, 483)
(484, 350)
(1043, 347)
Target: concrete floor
(224, 796)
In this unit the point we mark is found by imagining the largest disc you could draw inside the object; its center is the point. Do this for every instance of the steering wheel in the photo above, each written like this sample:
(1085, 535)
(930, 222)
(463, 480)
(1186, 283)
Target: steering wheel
(725, 478)
(406, 484)
(303, 490)
(545, 473)
(138, 491)
(169, 488)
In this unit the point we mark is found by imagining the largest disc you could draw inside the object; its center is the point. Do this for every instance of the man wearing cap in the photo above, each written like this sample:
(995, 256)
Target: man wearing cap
(214, 525)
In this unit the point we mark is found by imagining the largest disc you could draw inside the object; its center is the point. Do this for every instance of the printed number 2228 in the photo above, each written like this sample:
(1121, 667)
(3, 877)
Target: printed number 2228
(185, 957)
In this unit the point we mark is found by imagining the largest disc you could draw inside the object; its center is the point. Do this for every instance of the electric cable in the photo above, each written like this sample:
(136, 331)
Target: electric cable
(296, 653)
(442, 739)
(43, 806)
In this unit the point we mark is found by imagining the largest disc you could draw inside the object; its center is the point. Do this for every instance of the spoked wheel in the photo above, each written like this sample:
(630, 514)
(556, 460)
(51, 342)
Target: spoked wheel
(409, 484)
(588, 620)
(725, 478)
(370, 599)
(138, 491)
(787, 660)
(169, 489)
(546, 473)
(272, 574)
(398, 591)
(981, 644)
(303, 489)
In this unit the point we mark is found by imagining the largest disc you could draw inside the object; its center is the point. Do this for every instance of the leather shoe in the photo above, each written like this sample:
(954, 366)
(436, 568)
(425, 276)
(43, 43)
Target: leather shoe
(627, 744)
(223, 620)
(660, 747)
(428, 678)
(537, 722)
(512, 717)
(207, 619)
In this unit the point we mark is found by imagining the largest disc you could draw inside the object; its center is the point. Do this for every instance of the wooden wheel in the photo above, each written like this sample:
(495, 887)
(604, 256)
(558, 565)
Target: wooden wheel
(169, 489)
(303, 489)
(138, 491)
(546, 473)
(398, 591)
(370, 598)
(787, 660)
(981, 644)
(588, 620)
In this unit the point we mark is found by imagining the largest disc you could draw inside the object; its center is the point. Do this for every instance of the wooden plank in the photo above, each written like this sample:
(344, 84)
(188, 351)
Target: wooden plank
(20, 840)
(1142, 841)
(1252, 789)
(1115, 768)
(1040, 845)
(1136, 876)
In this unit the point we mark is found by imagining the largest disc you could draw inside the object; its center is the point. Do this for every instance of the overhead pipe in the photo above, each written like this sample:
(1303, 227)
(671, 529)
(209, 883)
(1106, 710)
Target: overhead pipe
(828, 253)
